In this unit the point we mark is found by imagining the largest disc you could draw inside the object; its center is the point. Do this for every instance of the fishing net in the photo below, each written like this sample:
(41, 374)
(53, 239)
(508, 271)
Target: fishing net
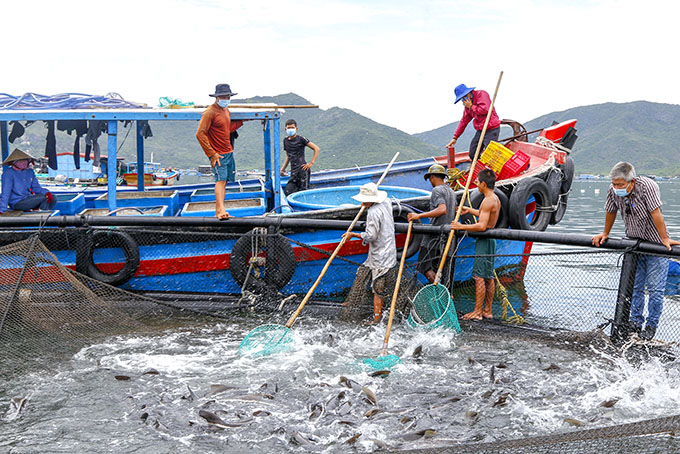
(266, 340)
(433, 308)
(382, 362)
(358, 304)
(49, 312)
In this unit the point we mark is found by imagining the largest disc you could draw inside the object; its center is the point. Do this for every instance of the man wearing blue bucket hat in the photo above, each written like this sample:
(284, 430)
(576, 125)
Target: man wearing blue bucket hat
(476, 103)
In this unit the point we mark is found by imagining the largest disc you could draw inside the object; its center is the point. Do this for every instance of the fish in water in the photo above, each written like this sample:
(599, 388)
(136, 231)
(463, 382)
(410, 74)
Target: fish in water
(121, 377)
(151, 372)
(413, 436)
(214, 420)
(417, 352)
(299, 439)
(609, 403)
(370, 395)
(16, 407)
(574, 422)
(317, 411)
(344, 408)
(216, 389)
(492, 374)
(261, 413)
(501, 400)
(191, 396)
(552, 367)
(487, 394)
(352, 440)
(372, 412)
(351, 384)
(380, 373)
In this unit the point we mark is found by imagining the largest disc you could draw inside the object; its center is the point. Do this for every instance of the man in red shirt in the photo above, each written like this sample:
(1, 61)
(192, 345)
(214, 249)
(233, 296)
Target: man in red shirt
(477, 103)
(213, 135)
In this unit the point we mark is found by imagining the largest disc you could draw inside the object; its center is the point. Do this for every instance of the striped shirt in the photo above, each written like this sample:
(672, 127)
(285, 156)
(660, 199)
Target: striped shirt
(636, 209)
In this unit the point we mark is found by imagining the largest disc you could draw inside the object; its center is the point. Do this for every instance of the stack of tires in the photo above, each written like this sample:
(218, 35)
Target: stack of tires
(547, 199)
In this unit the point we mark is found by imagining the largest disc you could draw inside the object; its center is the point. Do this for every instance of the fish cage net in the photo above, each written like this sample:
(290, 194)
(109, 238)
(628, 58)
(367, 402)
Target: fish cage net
(48, 311)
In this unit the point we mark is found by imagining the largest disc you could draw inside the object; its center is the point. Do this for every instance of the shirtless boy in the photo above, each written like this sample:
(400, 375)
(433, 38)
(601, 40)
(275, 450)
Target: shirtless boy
(483, 268)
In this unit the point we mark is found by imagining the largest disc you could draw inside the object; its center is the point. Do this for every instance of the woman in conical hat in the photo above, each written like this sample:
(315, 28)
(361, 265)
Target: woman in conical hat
(21, 190)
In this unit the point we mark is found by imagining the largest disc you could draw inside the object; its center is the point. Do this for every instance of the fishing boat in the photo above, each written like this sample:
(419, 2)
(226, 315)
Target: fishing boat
(161, 240)
(154, 174)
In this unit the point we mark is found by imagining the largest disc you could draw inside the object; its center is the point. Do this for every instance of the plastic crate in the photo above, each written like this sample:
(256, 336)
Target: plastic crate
(478, 168)
(495, 156)
(515, 165)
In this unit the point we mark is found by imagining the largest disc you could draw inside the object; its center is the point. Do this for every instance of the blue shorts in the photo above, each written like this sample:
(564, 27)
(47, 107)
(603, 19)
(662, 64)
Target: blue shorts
(226, 169)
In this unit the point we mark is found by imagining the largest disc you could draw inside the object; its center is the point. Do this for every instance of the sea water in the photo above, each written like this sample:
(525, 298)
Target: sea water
(146, 393)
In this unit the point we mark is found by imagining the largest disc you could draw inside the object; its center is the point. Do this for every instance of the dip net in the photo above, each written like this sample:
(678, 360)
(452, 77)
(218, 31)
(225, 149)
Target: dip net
(49, 312)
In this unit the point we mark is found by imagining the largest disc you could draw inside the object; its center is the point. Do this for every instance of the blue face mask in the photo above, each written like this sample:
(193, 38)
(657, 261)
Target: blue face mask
(290, 132)
(223, 102)
(623, 192)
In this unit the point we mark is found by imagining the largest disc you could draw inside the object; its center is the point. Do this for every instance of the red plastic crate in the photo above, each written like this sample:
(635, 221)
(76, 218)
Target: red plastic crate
(514, 166)
(478, 168)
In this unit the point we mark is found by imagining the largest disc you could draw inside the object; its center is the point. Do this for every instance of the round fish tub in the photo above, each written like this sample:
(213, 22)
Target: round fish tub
(318, 199)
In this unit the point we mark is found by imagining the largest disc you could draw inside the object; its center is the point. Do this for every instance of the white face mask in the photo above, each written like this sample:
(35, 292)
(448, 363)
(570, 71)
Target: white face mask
(223, 102)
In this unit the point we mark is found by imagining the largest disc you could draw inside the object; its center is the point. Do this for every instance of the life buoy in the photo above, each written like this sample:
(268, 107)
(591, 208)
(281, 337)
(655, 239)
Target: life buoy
(112, 239)
(400, 213)
(476, 198)
(525, 190)
(278, 260)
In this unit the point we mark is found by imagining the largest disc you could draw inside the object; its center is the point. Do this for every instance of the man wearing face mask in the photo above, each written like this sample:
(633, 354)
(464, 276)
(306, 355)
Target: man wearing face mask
(639, 201)
(476, 103)
(300, 169)
(20, 188)
(213, 135)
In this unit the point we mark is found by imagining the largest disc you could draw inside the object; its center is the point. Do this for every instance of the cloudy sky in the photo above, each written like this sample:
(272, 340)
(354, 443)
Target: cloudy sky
(394, 61)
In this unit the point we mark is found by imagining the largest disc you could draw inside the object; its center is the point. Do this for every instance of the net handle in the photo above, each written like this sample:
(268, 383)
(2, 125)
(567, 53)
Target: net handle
(393, 305)
(438, 276)
(295, 315)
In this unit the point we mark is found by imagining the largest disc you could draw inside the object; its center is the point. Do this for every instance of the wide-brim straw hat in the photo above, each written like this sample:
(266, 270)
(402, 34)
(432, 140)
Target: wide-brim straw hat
(370, 193)
(16, 155)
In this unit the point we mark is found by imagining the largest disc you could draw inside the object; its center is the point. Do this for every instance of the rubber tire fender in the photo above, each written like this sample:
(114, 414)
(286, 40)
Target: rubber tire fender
(476, 198)
(565, 187)
(416, 239)
(279, 265)
(85, 262)
(526, 188)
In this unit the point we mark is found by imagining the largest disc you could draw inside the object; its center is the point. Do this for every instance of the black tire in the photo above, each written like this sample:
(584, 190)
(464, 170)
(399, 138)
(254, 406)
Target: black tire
(558, 214)
(476, 198)
(525, 189)
(279, 261)
(400, 214)
(554, 182)
(109, 238)
(568, 175)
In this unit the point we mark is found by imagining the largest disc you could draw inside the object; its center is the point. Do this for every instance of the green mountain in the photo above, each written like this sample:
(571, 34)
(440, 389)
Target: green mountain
(640, 132)
(346, 139)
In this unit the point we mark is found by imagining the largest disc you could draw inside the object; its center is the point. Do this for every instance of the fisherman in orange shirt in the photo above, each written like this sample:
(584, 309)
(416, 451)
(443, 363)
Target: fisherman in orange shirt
(213, 134)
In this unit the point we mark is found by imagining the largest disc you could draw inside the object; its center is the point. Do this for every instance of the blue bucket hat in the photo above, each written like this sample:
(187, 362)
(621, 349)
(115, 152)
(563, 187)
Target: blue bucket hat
(222, 90)
(462, 91)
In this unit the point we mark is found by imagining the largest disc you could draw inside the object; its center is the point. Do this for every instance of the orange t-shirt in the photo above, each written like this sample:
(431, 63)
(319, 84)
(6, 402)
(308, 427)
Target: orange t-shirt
(214, 129)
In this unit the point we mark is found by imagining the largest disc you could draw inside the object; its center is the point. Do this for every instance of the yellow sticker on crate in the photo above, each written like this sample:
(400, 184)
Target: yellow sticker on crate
(495, 156)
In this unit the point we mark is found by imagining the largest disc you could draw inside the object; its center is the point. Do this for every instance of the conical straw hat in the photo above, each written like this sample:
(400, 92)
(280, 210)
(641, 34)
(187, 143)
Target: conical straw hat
(16, 155)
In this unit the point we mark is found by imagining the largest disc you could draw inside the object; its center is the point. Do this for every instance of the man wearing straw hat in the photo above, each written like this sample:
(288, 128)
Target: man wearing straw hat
(379, 234)
(20, 188)
(476, 103)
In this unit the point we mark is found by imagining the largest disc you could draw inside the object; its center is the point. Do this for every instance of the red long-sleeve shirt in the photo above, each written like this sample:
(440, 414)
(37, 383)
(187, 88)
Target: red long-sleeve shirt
(477, 113)
(214, 129)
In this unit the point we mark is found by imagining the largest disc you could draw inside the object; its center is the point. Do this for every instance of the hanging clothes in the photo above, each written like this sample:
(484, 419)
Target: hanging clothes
(51, 146)
(17, 131)
(145, 129)
(80, 127)
(93, 132)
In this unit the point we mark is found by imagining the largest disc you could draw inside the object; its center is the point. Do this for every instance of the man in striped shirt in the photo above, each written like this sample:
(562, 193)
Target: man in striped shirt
(639, 201)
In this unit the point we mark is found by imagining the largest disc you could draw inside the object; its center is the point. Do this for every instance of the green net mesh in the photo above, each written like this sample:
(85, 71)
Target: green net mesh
(382, 362)
(266, 340)
(433, 308)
